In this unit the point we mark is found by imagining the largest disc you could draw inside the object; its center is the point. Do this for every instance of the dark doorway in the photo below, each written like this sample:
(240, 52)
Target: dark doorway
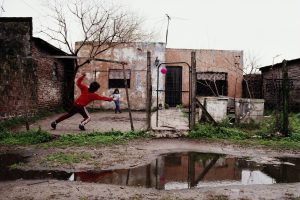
(173, 86)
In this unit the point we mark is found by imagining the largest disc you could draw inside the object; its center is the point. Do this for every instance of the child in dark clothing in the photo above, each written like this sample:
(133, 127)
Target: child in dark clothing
(87, 95)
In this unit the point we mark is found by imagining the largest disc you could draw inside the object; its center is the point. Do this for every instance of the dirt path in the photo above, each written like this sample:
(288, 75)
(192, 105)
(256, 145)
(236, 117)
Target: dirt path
(100, 121)
(137, 153)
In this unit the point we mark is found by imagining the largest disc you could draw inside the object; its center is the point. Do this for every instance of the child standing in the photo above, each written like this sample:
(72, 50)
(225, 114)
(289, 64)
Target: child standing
(87, 95)
(116, 97)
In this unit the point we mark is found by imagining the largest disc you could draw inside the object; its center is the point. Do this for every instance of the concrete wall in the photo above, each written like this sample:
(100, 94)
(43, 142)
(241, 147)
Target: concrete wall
(250, 109)
(210, 61)
(135, 54)
(215, 106)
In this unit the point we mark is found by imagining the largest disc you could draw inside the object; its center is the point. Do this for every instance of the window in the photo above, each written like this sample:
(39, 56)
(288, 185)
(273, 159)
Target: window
(212, 84)
(116, 78)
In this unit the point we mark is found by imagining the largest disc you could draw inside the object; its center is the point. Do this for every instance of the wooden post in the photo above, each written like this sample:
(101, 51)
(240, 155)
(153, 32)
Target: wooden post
(193, 88)
(202, 107)
(149, 91)
(285, 100)
(127, 95)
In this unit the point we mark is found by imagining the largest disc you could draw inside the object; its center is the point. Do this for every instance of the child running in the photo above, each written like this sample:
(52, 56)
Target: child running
(87, 95)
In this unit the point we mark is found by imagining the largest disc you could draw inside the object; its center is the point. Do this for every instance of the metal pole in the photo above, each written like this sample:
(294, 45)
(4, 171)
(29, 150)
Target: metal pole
(127, 95)
(157, 94)
(149, 91)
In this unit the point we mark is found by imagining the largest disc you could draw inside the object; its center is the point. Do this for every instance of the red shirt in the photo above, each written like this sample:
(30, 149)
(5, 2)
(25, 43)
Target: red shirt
(86, 97)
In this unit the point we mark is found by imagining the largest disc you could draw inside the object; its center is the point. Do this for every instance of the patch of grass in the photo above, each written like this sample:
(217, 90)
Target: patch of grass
(209, 131)
(68, 158)
(252, 134)
(16, 165)
(25, 137)
(95, 138)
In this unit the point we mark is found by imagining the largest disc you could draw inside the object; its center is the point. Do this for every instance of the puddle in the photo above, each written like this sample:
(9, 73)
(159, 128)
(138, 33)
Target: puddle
(173, 171)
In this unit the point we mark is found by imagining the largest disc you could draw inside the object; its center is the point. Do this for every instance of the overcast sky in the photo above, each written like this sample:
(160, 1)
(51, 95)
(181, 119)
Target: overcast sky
(263, 28)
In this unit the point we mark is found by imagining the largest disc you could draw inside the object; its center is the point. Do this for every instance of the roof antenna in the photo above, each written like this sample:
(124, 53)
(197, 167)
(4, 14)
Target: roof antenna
(169, 18)
(2, 8)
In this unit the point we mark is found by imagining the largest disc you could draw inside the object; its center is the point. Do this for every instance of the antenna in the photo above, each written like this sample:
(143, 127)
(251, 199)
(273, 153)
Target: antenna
(2, 8)
(169, 18)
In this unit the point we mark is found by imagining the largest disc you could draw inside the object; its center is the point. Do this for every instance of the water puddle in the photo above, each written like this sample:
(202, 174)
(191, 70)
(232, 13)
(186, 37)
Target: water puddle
(172, 171)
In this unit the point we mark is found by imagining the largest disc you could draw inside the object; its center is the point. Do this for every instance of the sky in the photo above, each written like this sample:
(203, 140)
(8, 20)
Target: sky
(268, 30)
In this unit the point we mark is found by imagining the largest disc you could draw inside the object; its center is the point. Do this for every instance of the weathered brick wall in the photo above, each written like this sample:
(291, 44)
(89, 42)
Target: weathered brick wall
(15, 36)
(50, 79)
(29, 85)
(16, 93)
(17, 74)
(268, 74)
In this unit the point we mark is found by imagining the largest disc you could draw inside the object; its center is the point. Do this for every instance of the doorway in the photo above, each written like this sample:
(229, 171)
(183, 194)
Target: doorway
(173, 86)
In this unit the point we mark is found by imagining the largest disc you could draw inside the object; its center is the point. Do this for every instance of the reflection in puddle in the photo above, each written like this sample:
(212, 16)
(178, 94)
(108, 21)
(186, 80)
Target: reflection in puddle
(179, 171)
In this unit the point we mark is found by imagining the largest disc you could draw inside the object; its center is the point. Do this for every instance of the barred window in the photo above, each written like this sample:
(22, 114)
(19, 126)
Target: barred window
(116, 78)
(212, 84)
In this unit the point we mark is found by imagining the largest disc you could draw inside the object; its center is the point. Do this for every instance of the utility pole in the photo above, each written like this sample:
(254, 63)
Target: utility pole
(285, 99)
(169, 18)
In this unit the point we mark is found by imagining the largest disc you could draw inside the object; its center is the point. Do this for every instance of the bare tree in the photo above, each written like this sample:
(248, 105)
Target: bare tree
(97, 24)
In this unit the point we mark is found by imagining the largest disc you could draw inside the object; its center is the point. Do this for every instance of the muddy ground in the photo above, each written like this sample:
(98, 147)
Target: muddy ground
(132, 154)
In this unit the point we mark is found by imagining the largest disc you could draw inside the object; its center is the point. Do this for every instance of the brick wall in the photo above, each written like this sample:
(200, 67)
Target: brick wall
(272, 75)
(16, 93)
(30, 85)
(50, 79)
(210, 61)
(17, 74)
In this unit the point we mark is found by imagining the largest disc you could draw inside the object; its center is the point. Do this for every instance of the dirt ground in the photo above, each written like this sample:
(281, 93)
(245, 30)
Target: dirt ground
(100, 121)
(132, 154)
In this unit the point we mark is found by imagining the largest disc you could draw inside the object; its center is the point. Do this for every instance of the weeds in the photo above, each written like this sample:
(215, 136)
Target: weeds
(84, 139)
(95, 138)
(252, 133)
(25, 137)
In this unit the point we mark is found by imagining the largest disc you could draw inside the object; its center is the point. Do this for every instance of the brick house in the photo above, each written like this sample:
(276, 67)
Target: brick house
(29, 80)
(272, 78)
(219, 72)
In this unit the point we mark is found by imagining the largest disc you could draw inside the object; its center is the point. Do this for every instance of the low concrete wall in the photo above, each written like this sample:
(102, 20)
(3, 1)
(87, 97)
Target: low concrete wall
(215, 106)
(247, 110)
(250, 109)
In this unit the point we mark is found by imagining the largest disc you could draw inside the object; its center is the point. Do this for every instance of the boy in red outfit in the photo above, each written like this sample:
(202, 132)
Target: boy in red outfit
(87, 95)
